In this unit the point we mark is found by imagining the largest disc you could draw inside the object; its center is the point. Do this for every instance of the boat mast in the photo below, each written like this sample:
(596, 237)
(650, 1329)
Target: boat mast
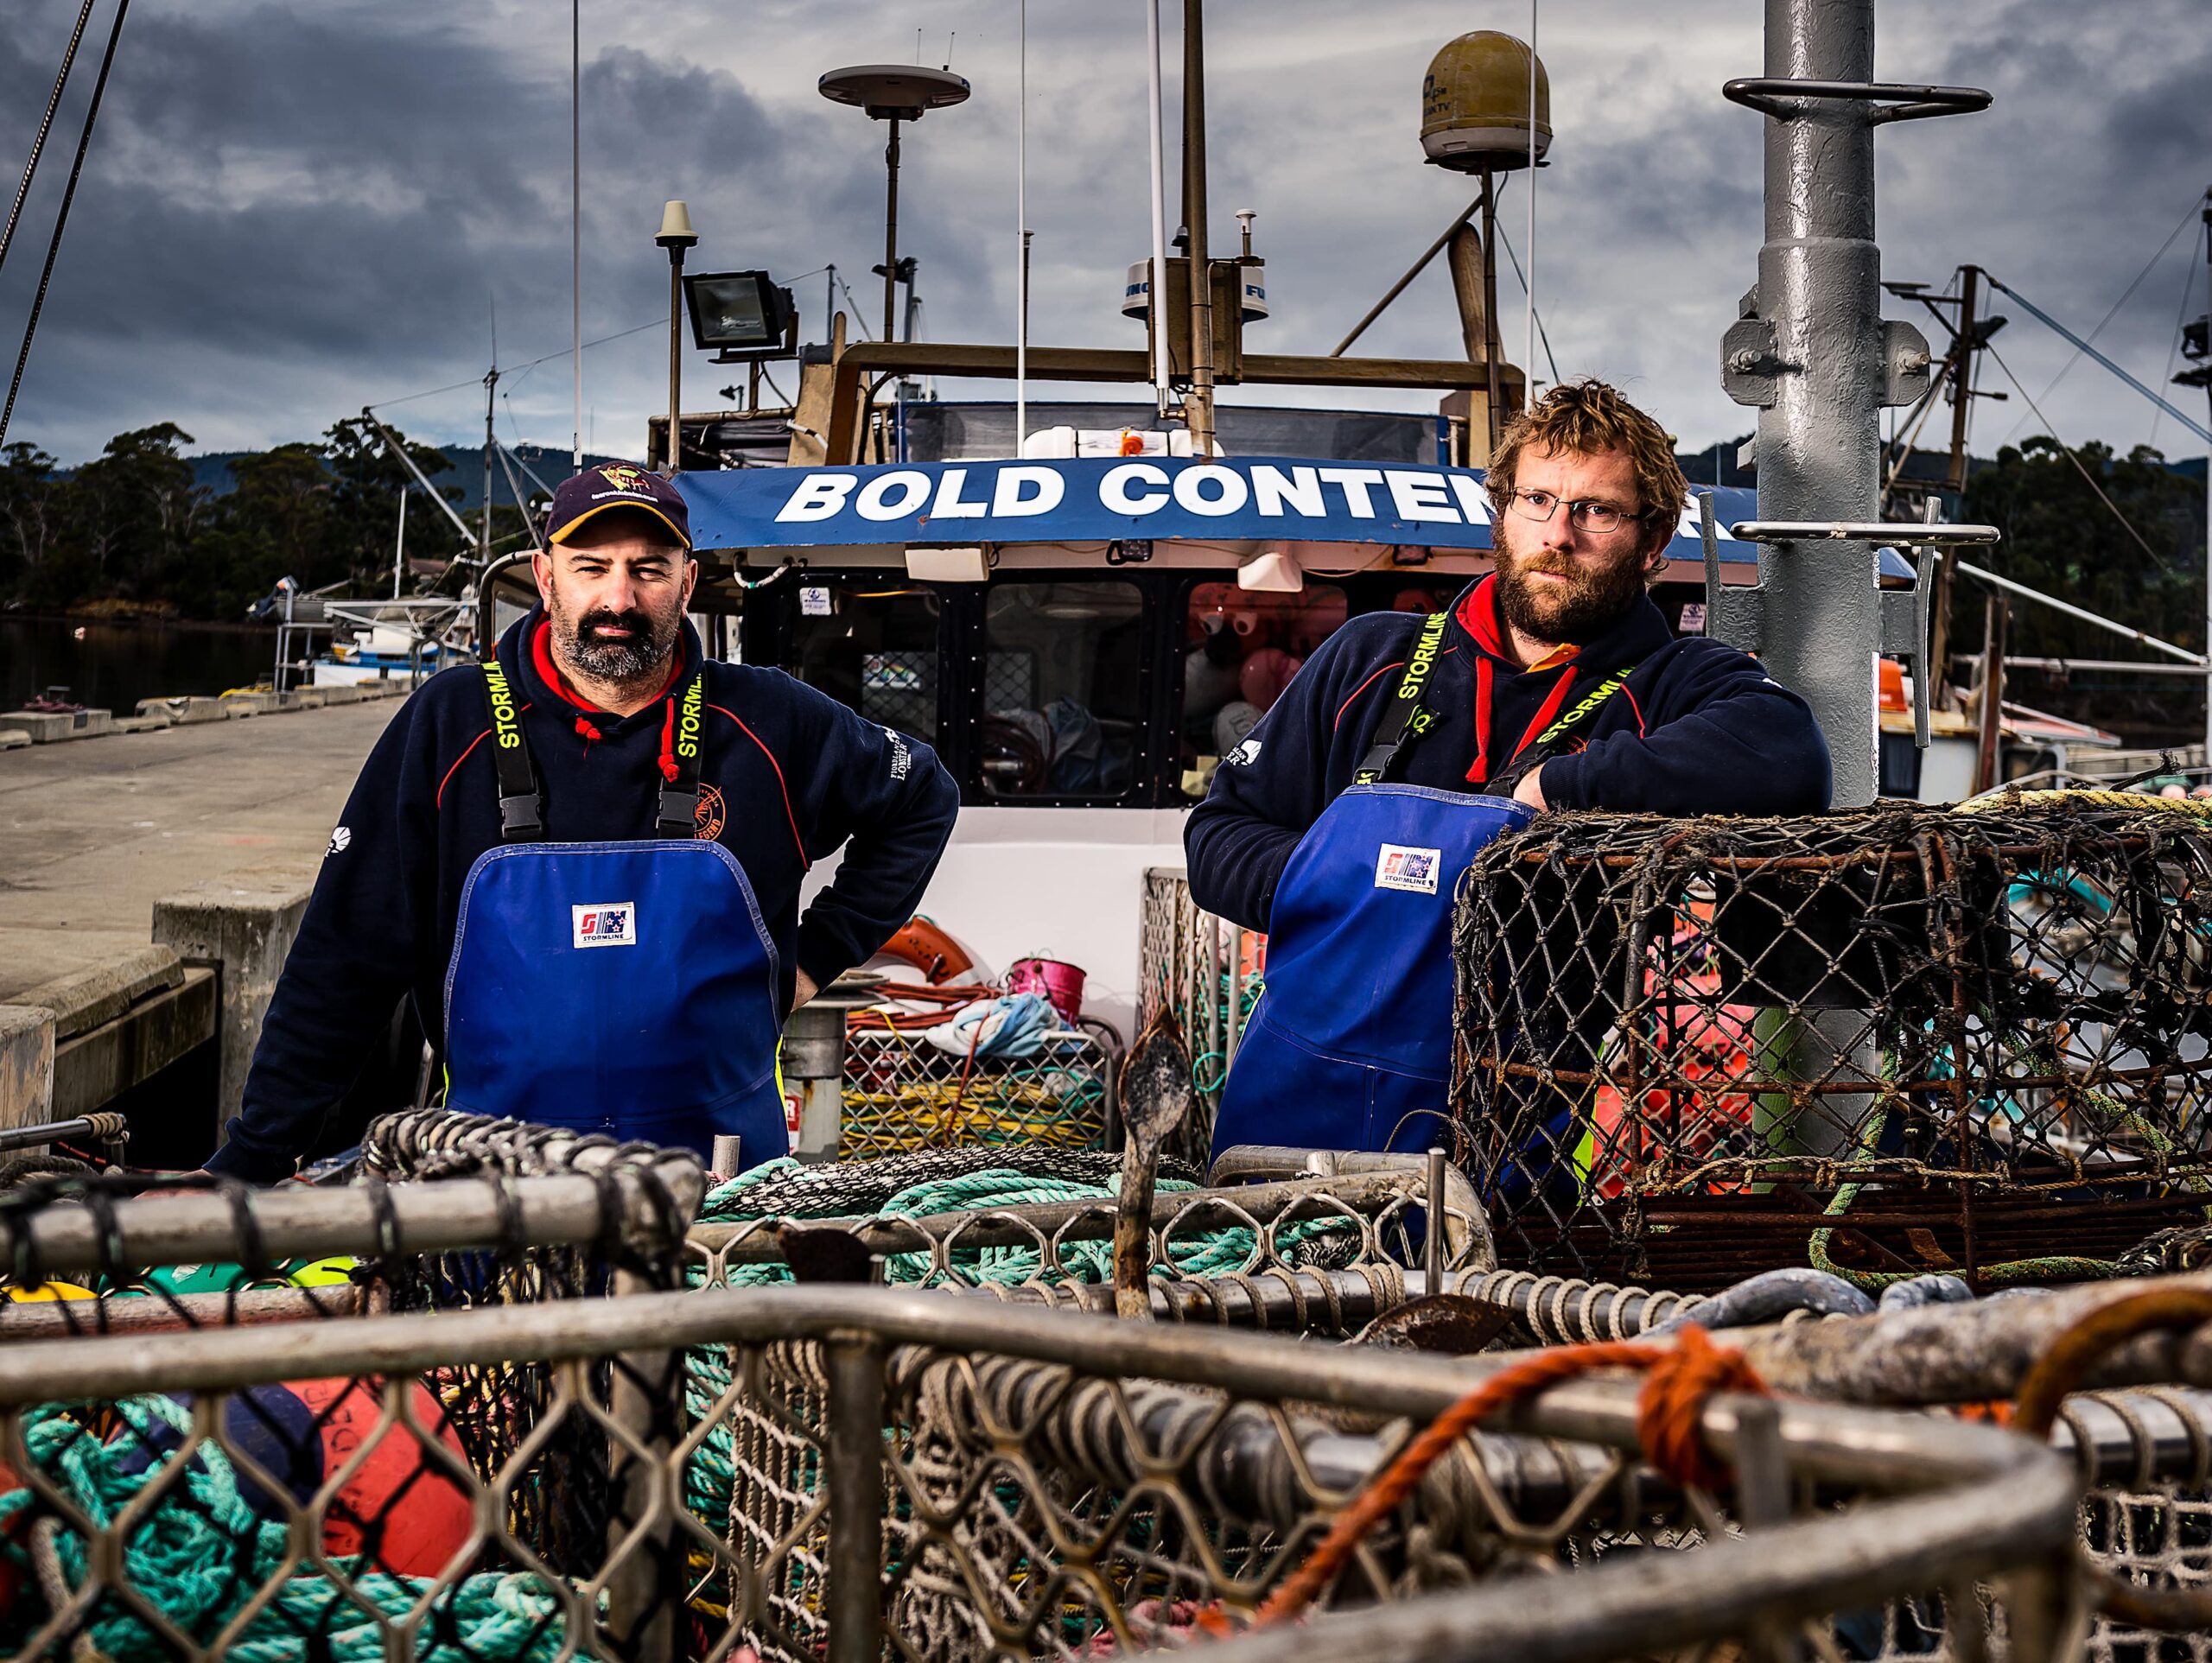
(490, 389)
(2196, 343)
(1812, 352)
(1198, 406)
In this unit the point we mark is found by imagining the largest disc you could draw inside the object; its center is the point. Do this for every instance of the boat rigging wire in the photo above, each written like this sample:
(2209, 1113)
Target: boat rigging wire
(514, 370)
(61, 215)
(2188, 213)
(576, 226)
(1411, 272)
(2181, 313)
(2087, 478)
(858, 320)
(1528, 283)
(1919, 420)
(2193, 425)
(1542, 334)
(45, 124)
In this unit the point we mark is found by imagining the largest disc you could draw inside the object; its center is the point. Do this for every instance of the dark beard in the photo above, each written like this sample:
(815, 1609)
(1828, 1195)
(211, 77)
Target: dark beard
(1597, 597)
(643, 653)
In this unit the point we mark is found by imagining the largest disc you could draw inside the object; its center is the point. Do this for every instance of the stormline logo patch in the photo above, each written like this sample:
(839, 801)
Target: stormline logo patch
(1412, 870)
(605, 923)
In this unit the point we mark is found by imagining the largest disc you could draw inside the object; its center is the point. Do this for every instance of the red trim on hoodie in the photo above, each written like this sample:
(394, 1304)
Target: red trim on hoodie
(541, 654)
(805, 864)
(1478, 617)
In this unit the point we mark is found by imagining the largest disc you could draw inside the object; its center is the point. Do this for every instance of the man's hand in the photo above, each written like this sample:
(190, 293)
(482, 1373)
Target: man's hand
(194, 1185)
(1530, 791)
(803, 989)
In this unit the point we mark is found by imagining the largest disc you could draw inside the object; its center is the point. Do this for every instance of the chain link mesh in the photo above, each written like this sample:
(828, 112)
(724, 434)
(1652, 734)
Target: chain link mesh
(1030, 1499)
(1208, 972)
(1880, 1044)
(902, 1093)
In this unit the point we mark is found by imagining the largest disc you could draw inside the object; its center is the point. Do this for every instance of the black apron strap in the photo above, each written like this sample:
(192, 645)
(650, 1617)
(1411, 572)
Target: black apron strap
(1408, 719)
(1561, 732)
(678, 811)
(522, 816)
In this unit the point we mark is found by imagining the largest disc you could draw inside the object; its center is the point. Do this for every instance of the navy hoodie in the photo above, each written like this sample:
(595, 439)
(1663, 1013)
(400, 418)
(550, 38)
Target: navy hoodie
(787, 775)
(1699, 728)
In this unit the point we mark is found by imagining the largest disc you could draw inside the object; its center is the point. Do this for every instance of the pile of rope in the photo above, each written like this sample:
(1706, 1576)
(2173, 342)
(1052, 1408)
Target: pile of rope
(201, 1552)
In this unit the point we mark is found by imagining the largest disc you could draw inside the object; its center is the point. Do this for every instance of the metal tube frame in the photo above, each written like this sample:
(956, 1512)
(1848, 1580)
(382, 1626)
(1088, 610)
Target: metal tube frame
(1949, 1502)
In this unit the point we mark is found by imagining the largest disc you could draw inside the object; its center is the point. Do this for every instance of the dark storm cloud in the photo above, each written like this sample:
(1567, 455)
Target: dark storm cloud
(308, 200)
(291, 211)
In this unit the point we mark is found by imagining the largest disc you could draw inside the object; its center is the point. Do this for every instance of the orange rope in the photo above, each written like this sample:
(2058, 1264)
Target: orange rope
(953, 995)
(1677, 1383)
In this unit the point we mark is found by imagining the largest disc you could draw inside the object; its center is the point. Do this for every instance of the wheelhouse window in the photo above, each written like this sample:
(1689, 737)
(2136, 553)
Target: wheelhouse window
(871, 645)
(1063, 697)
(1240, 648)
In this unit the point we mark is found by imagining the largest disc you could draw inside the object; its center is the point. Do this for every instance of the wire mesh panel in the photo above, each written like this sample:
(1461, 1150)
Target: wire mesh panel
(2147, 1517)
(1320, 1256)
(903, 1092)
(920, 1477)
(1883, 1043)
(1208, 972)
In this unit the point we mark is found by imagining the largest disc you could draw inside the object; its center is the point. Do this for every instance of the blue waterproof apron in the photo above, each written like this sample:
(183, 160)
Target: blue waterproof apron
(628, 988)
(1351, 1044)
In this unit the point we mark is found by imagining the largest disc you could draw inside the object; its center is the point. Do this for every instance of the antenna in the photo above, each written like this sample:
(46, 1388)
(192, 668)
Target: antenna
(1528, 353)
(948, 39)
(577, 228)
(1020, 235)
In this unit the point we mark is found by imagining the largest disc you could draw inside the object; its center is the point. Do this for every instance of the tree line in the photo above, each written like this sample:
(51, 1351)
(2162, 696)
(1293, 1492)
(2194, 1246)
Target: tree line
(132, 531)
(2122, 536)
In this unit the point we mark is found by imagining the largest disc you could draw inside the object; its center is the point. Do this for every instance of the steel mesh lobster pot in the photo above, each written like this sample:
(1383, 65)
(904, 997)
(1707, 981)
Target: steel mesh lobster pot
(1888, 1043)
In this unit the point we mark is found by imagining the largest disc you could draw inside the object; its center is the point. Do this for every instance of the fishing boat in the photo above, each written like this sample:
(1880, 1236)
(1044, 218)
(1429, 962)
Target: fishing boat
(1083, 639)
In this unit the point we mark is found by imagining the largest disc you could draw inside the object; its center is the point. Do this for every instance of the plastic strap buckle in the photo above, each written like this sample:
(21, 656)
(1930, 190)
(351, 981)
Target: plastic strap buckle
(678, 812)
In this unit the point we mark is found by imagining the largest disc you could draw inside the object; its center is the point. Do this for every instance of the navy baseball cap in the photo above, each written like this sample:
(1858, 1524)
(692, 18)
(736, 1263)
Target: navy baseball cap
(616, 484)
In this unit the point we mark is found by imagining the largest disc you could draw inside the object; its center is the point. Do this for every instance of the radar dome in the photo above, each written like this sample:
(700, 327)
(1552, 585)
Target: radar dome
(1474, 104)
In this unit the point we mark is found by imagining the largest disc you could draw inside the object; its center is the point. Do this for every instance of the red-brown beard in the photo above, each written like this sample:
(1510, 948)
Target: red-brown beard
(1599, 593)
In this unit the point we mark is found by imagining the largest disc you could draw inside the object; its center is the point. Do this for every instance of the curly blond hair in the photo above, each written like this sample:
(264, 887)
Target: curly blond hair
(1588, 418)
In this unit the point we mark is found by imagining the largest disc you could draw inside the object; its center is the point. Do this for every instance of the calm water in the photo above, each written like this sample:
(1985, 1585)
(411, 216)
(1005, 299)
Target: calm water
(118, 664)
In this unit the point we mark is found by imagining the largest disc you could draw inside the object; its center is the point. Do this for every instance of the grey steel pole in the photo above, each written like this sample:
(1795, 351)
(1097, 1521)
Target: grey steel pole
(2208, 495)
(1820, 440)
(1492, 350)
(490, 389)
(853, 1471)
(675, 359)
(1197, 407)
(891, 235)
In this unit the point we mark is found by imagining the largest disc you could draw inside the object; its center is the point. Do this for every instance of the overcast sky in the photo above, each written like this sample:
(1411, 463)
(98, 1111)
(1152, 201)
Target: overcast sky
(291, 211)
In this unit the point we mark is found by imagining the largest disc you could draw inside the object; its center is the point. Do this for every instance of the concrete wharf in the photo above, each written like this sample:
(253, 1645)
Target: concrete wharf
(149, 884)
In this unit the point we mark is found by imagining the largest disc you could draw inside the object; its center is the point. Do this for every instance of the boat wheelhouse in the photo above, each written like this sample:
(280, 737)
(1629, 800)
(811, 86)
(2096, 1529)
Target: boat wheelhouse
(1083, 638)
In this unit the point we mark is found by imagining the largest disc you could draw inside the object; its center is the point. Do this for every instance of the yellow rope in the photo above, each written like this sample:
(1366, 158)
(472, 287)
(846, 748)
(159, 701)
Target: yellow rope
(2004, 797)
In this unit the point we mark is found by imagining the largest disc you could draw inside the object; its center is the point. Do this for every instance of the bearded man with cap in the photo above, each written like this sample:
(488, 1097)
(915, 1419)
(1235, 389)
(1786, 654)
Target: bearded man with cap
(584, 861)
(1343, 824)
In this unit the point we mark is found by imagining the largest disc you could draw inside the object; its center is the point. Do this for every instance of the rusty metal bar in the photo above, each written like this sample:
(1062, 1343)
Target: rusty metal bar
(853, 1462)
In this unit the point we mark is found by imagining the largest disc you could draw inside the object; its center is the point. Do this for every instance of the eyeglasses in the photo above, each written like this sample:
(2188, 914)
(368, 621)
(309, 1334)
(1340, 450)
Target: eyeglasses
(1598, 518)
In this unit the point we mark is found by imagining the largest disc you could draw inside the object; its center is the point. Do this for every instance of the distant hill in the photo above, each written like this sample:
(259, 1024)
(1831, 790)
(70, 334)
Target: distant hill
(464, 468)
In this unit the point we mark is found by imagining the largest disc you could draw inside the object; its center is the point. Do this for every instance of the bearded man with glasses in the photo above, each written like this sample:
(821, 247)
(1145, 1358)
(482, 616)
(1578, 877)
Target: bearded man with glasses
(1342, 825)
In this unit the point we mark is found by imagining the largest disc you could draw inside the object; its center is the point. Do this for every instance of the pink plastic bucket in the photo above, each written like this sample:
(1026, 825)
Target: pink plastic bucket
(1060, 983)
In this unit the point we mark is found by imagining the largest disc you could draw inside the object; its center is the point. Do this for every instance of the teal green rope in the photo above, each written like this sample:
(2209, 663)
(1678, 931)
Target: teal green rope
(1225, 1251)
(203, 1553)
